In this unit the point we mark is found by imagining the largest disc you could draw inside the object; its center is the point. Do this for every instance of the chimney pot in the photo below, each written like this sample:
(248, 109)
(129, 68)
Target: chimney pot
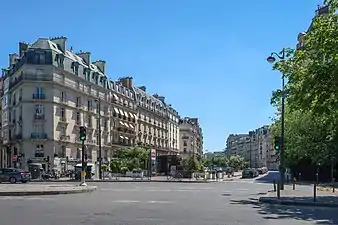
(60, 42)
(85, 56)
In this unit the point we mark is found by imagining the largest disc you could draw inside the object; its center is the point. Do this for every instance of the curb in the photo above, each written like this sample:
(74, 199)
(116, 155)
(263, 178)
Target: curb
(296, 203)
(128, 181)
(51, 192)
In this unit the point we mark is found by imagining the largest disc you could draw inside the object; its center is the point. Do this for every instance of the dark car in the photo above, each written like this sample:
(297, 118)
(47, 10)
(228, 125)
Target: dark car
(14, 175)
(249, 173)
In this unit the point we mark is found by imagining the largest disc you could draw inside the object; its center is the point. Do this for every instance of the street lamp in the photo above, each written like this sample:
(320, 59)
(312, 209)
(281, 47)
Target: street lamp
(98, 101)
(272, 59)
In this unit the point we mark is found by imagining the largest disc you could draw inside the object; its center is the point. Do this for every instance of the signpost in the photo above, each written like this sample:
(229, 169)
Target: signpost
(153, 154)
(151, 161)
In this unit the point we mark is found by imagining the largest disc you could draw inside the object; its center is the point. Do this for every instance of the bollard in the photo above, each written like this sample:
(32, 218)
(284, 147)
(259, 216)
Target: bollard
(315, 191)
(294, 184)
(278, 190)
(274, 185)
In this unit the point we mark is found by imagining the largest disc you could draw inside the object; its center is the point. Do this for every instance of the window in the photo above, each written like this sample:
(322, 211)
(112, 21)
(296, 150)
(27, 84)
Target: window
(63, 96)
(39, 91)
(98, 107)
(89, 121)
(78, 101)
(38, 128)
(63, 130)
(39, 151)
(90, 104)
(78, 118)
(62, 153)
(62, 114)
(184, 143)
(59, 60)
(105, 124)
(39, 109)
(98, 123)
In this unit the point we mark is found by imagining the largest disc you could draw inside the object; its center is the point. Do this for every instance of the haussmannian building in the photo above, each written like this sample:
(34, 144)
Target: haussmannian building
(255, 147)
(191, 137)
(48, 92)
(158, 126)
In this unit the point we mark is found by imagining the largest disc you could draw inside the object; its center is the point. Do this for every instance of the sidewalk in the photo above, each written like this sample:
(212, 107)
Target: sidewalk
(302, 197)
(38, 189)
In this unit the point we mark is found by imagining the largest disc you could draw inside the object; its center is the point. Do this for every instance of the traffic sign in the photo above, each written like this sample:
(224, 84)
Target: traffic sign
(153, 154)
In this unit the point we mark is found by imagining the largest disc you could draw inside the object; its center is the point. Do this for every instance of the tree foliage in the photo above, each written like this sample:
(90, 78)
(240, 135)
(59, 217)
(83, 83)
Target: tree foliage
(311, 116)
(129, 159)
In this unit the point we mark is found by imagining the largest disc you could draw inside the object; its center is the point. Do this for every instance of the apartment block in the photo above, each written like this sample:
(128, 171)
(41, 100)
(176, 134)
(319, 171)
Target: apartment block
(255, 147)
(191, 137)
(48, 92)
(158, 126)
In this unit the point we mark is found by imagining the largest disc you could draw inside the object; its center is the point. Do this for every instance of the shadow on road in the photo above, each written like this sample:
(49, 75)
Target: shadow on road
(321, 215)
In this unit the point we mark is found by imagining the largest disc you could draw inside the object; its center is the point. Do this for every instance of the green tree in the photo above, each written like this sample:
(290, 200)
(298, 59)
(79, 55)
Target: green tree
(236, 162)
(192, 164)
(311, 116)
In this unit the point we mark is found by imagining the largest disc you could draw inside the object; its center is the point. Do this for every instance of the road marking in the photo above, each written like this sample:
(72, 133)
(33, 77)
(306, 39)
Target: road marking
(126, 201)
(147, 202)
(159, 202)
(26, 198)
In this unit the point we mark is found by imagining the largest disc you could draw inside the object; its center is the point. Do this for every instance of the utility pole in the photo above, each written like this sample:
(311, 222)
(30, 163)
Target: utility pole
(250, 149)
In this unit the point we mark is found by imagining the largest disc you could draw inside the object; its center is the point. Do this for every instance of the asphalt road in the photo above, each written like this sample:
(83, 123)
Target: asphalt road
(226, 203)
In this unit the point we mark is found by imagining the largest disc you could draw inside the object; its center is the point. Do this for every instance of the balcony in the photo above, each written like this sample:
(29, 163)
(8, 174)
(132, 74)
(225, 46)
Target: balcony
(39, 117)
(39, 96)
(39, 136)
(63, 120)
(91, 142)
(64, 138)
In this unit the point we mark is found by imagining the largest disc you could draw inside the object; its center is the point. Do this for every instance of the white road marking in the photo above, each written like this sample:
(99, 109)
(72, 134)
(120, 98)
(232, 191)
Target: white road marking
(26, 198)
(159, 202)
(126, 201)
(142, 202)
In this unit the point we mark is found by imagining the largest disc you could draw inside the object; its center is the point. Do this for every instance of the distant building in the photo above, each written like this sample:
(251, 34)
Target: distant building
(191, 137)
(255, 147)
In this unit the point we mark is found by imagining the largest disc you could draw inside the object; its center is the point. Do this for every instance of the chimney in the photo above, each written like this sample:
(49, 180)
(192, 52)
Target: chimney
(60, 42)
(143, 88)
(12, 58)
(161, 98)
(101, 64)
(127, 82)
(85, 56)
(22, 48)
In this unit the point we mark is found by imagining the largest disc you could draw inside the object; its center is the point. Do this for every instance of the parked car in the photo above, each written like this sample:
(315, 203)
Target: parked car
(14, 175)
(249, 173)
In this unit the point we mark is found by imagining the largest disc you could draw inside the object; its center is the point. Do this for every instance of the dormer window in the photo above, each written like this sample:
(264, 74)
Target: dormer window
(59, 60)
(75, 68)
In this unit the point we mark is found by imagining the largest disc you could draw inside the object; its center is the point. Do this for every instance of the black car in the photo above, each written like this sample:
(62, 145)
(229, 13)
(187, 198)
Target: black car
(249, 173)
(14, 175)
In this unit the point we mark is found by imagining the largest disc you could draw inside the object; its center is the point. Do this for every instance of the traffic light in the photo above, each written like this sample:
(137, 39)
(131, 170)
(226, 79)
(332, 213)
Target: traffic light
(278, 143)
(83, 133)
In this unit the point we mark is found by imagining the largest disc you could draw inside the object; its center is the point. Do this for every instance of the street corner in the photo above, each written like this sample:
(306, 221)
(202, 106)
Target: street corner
(298, 201)
(44, 190)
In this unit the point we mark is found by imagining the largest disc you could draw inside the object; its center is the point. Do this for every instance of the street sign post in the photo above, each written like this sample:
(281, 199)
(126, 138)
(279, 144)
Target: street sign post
(153, 154)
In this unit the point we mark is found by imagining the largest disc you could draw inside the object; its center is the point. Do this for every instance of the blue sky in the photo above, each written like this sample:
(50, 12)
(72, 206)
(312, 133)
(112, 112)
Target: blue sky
(207, 57)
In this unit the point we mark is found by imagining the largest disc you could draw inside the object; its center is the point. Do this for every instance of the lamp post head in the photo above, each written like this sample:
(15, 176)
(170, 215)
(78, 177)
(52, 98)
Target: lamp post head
(271, 59)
